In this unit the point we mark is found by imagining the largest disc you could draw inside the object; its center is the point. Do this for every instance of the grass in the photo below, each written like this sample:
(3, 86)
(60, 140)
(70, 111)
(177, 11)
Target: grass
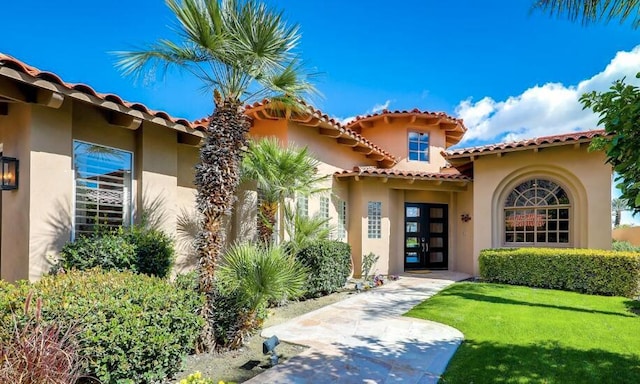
(527, 335)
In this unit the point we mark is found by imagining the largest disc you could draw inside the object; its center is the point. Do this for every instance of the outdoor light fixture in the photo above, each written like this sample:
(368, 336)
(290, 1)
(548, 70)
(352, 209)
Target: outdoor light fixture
(465, 217)
(9, 169)
(269, 347)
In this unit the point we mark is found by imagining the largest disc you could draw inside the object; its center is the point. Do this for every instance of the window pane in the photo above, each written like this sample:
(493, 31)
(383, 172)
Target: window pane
(102, 187)
(374, 219)
(411, 257)
(412, 242)
(413, 212)
(412, 227)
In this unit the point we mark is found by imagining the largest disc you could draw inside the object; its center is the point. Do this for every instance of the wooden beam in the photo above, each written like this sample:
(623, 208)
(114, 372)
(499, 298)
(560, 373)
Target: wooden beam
(387, 119)
(332, 133)
(30, 94)
(185, 138)
(124, 120)
(384, 180)
(365, 150)
(356, 178)
(411, 180)
(347, 141)
(536, 149)
(313, 122)
(365, 124)
(376, 156)
(4, 109)
(412, 119)
(49, 98)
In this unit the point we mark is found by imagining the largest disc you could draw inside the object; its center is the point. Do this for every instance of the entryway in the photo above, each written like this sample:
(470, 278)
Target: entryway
(426, 236)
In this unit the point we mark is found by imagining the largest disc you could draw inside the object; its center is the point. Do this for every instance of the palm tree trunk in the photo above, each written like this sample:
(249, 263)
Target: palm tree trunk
(616, 222)
(217, 178)
(267, 221)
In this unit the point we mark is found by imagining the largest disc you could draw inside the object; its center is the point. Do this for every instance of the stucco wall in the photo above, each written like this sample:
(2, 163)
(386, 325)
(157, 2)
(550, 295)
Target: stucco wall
(394, 138)
(583, 174)
(38, 216)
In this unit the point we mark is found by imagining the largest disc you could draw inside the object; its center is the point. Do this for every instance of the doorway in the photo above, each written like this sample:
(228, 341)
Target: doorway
(426, 242)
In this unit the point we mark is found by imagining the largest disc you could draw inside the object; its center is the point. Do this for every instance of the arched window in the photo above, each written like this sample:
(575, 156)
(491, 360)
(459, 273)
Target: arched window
(537, 212)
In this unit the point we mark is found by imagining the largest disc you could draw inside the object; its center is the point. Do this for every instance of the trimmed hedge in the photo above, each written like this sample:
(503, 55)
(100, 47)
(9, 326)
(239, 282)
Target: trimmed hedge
(591, 271)
(329, 264)
(133, 328)
(136, 249)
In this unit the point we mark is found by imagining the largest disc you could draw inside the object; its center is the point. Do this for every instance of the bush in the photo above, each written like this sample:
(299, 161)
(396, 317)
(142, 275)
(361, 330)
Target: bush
(107, 250)
(329, 264)
(133, 328)
(590, 271)
(147, 251)
(624, 246)
(155, 254)
(34, 352)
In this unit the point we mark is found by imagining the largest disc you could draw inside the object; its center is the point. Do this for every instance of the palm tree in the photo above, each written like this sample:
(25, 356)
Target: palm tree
(618, 206)
(590, 11)
(240, 50)
(280, 172)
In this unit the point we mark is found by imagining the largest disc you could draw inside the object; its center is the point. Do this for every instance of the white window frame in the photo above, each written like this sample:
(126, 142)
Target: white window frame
(418, 142)
(126, 223)
(342, 220)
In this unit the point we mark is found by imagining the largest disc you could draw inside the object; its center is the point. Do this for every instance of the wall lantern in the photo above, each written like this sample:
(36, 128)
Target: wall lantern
(9, 169)
(465, 217)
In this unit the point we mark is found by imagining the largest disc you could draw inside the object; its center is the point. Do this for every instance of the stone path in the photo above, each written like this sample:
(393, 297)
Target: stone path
(365, 338)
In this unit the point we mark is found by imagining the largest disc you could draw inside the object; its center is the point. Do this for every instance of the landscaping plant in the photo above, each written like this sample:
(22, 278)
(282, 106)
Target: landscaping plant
(132, 328)
(252, 276)
(368, 261)
(33, 351)
(240, 50)
(329, 264)
(593, 271)
(304, 230)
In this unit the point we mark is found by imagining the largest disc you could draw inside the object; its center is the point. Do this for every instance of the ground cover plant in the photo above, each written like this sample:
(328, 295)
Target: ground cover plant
(527, 335)
(132, 328)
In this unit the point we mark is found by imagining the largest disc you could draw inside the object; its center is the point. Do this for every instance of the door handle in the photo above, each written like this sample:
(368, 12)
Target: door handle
(425, 245)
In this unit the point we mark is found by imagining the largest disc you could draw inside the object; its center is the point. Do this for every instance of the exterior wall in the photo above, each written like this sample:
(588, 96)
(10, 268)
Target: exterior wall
(16, 140)
(462, 246)
(394, 138)
(584, 174)
(186, 217)
(38, 216)
(630, 234)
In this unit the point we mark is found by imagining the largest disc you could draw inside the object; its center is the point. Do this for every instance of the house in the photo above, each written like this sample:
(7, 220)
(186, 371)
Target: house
(397, 189)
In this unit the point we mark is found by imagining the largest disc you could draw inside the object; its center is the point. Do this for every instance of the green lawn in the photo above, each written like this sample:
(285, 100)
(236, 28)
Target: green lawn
(527, 335)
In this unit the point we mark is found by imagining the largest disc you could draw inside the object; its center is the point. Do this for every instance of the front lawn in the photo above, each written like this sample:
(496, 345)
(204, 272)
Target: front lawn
(527, 335)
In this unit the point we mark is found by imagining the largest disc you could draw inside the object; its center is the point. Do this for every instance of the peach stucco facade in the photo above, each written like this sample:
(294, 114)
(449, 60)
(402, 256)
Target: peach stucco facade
(395, 186)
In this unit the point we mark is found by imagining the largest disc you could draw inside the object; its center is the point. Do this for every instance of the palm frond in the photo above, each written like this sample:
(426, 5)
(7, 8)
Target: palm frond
(590, 11)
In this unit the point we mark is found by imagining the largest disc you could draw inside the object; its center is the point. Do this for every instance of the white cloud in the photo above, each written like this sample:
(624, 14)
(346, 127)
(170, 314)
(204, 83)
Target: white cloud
(376, 108)
(543, 110)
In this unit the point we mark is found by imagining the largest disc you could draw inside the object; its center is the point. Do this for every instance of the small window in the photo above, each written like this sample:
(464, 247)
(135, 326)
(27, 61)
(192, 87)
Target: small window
(419, 146)
(324, 210)
(302, 204)
(374, 220)
(102, 187)
(342, 220)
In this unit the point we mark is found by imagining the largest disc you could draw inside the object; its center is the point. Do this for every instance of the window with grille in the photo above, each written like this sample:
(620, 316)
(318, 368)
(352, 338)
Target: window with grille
(324, 209)
(342, 220)
(102, 187)
(374, 220)
(419, 146)
(302, 205)
(537, 212)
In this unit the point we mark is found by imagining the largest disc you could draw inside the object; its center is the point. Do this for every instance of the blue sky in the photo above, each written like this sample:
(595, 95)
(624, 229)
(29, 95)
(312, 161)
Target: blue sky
(509, 72)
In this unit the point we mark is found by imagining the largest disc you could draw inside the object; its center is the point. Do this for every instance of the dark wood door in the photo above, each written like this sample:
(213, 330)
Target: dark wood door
(426, 240)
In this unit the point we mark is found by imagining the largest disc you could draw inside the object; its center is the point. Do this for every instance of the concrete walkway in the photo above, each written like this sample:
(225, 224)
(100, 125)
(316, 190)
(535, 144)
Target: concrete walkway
(365, 339)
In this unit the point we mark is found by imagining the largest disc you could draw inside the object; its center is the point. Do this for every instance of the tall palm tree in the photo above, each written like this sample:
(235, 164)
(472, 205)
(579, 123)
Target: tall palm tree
(617, 207)
(240, 50)
(280, 172)
(590, 11)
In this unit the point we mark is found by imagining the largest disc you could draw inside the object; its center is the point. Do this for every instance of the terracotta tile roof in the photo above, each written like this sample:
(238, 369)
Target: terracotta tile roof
(414, 111)
(332, 127)
(12, 63)
(454, 128)
(399, 173)
(545, 141)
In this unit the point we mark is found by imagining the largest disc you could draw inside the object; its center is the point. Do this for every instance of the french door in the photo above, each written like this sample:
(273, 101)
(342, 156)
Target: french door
(426, 240)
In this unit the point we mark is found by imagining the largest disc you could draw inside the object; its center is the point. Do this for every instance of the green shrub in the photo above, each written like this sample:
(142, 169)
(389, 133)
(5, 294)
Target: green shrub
(329, 264)
(133, 328)
(147, 251)
(155, 253)
(590, 271)
(107, 250)
(624, 246)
